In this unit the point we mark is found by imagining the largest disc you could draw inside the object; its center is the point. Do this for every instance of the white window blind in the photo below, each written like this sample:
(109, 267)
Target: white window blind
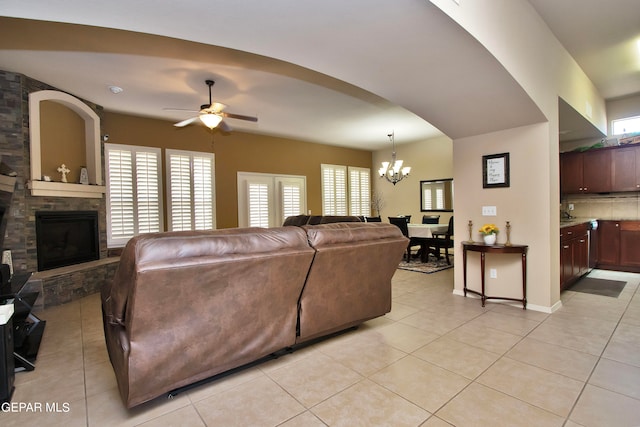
(134, 187)
(334, 189)
(291, 201)
(190, 195)
(359, 191)
(265, 200)
(258, 203)
(440, 198)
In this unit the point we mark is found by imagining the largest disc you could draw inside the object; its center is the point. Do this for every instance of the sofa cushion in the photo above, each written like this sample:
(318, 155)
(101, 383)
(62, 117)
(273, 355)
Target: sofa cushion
(350, 279)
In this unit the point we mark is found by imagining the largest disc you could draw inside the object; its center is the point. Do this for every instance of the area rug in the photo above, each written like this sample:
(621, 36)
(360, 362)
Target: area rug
(604, 287)
(433, 265)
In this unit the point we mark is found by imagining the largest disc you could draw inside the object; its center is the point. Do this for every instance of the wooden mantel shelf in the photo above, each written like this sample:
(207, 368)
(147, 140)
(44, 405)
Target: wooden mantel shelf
(65, 189)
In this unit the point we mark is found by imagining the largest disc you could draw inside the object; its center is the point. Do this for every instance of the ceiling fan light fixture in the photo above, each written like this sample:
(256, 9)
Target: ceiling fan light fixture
(210, 120)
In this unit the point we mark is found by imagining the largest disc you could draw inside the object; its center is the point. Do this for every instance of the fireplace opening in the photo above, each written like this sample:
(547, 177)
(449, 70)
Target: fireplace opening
(66, 238)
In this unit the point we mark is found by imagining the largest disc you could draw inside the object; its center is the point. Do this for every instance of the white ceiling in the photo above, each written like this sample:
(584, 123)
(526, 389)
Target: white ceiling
(332, 72)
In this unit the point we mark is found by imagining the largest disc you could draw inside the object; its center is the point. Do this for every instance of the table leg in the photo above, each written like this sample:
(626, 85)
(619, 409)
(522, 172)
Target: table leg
(464, 269)
(482, 255)
(524, 280)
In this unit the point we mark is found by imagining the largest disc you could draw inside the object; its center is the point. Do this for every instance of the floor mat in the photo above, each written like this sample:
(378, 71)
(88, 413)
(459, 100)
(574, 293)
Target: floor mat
(604, 287)
(433, 265)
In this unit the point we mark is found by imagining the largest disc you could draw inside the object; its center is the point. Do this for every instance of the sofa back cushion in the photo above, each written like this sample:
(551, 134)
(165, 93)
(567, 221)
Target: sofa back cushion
(350, 278)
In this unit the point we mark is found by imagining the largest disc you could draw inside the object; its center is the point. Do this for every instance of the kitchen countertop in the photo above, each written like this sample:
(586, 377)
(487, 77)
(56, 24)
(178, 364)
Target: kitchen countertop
(574, 221)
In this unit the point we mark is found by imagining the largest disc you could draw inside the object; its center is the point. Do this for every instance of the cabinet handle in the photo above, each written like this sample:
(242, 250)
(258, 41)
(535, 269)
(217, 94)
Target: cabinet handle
(571, 232)
(581, 240)
(565, 247)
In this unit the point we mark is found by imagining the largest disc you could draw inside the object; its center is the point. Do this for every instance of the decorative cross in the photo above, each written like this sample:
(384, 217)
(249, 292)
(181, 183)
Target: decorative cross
(64, 171)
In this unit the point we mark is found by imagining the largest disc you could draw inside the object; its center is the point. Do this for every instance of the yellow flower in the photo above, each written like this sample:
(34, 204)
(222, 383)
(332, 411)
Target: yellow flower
(489, 229)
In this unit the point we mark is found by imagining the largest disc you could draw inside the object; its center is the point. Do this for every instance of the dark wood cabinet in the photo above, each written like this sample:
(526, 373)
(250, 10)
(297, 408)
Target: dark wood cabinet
(596, 175)
(574, 253)
(630, 243)
(571, 167)
(585, 172)
(609, 248)
(625, 169)
(619, 247)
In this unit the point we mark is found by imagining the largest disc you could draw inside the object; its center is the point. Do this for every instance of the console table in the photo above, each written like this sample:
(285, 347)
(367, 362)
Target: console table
(495, 249)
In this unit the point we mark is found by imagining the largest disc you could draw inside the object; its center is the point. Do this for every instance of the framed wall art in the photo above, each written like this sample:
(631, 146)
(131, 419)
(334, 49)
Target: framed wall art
(495, 170)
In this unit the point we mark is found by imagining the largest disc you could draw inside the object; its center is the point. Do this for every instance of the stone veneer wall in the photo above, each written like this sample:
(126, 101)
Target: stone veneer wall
(20, 236)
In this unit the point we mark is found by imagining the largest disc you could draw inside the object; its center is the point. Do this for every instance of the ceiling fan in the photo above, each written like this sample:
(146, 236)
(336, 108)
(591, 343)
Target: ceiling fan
(211, 114)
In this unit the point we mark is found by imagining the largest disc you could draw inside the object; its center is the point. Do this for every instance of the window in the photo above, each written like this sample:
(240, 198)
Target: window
(265, 200)
(334, 190)
(627, 125)
(359, 191)
(134, 187)
(190, 192)
(335, 193)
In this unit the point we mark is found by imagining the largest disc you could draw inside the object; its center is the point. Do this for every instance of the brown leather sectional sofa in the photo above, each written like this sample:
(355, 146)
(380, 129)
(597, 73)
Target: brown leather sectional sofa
(185, 306)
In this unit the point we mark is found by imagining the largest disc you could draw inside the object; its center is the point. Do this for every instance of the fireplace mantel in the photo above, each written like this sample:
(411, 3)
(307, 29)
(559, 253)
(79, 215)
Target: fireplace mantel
(65, 189)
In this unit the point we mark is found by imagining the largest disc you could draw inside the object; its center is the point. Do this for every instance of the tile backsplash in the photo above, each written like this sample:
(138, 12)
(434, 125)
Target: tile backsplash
(616, 206)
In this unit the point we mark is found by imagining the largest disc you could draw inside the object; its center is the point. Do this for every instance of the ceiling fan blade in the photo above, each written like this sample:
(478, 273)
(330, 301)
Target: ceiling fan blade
(239, 117)
(224, 127)
(181, 109)
(186, 122)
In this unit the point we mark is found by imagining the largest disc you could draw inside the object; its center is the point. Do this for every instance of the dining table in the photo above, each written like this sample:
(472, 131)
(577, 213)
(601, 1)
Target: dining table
(421, 235)
(425, 230)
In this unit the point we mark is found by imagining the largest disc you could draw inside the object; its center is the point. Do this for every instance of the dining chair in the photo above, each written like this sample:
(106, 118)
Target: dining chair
(401, 222)
(431, 219)
(372, 219)
(443, 240)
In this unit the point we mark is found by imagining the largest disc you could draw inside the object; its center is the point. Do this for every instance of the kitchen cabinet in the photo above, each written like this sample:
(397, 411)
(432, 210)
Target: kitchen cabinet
(585, 172)
(619, 247)
(609, 248)
(574, 253)
(630, 243)
(625, 169)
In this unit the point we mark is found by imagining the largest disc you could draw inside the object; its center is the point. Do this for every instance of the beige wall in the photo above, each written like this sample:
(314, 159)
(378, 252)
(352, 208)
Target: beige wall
(520, 40)
(515, 204)
(235, 152)
(62, 140)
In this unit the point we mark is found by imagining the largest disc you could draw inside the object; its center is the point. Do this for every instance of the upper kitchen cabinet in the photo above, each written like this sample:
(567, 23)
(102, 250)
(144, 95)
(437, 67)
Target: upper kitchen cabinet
(585, 172)
(625, 169)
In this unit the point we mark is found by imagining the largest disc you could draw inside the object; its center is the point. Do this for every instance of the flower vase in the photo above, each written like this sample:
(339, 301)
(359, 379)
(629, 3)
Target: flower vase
(490, 239)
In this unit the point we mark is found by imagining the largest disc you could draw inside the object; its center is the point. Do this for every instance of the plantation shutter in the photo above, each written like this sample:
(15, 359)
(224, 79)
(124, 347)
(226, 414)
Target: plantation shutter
(134, 204)
(258, 204)
(334, 189)
(291, 197)
(265, 200)
(190, 193)
(359, 191)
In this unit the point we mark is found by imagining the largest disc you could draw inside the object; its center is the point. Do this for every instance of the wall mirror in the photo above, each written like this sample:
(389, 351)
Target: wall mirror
(436, 195)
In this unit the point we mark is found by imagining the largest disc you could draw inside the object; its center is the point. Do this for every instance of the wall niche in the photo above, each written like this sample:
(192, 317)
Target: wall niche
(88, 153)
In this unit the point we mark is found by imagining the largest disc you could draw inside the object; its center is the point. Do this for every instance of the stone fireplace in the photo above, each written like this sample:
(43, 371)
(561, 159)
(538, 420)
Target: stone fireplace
(66, 238)
(57, 285)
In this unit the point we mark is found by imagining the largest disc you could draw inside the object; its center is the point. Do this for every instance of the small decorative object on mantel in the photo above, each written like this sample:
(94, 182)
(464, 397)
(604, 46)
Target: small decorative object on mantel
(489, 233)
(508, 242)
(46, 178)
(84, 176)
(64, 170)
(470, 232)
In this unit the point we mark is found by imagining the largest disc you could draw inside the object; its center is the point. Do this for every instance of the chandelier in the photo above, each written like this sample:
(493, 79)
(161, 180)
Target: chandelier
(393, 171)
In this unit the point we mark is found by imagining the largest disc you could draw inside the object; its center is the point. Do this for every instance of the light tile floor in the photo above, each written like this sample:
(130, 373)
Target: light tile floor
(436, 360)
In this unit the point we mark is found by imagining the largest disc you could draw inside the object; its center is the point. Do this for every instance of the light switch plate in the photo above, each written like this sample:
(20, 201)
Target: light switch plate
(489, 211)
